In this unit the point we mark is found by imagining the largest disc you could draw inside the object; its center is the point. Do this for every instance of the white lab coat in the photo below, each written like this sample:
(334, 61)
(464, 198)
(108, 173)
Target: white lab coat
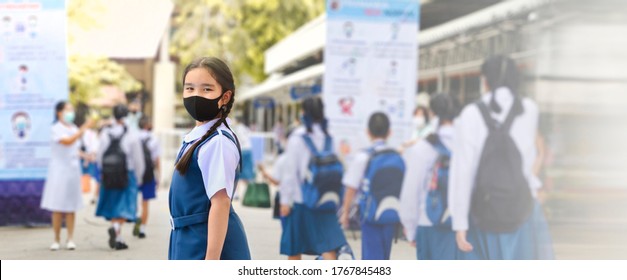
(62, 190)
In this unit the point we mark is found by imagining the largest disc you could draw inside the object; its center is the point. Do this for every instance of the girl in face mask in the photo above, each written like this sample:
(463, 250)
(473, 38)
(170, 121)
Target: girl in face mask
(204, 224)
(62, 190)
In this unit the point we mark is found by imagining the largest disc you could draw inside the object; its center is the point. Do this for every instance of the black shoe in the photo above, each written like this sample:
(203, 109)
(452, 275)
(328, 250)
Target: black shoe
(141, 235)
(111, 232)
(121, 246)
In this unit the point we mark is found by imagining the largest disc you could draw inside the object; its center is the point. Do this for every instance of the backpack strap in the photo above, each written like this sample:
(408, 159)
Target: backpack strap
(514, 112)
(310, 144)
(485, 112)
(437, 144)
(119, 137)
(328, 144)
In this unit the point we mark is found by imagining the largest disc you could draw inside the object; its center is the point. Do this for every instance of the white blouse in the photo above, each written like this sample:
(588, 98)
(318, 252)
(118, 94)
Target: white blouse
(470, 135)
(218, 159)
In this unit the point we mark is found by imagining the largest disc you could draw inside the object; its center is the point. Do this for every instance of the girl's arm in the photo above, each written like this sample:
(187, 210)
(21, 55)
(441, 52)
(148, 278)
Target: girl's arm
(71, 139)
(218, 224)
(267, 176)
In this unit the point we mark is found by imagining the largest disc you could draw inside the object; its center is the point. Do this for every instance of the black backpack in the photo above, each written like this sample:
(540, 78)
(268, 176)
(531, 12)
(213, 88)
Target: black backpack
(149, 173)
(114, 167)
(501, 200)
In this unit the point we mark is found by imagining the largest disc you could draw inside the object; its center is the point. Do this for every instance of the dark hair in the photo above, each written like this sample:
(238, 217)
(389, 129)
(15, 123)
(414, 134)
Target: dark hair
(120, 111)
(444, 106)
(313, 112)
(81, 113)
(58, 108)
(222, 74)
(23, 67)
(144, 121)
(379, 125)
(500, 71)
(425, 112)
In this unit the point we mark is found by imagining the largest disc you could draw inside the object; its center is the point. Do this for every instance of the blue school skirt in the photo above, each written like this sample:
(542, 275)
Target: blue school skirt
(248, 166)
(310, 232)
(188, 239)
(91, 169)
(115, 204)
(436, 243)
(532, 241)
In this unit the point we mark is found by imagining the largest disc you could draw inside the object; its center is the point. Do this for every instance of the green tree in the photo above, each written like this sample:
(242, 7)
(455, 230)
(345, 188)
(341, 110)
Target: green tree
(238, 30)
(87, 74)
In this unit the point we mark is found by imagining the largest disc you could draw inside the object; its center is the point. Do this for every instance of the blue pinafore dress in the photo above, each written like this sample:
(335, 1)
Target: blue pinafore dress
(189, 211)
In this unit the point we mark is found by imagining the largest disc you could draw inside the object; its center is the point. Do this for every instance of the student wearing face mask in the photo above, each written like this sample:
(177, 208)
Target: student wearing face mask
(204, 224)
(423, 124)
(62, 190)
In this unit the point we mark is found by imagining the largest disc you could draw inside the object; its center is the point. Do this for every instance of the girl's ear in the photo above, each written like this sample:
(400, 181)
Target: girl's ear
(226, 97)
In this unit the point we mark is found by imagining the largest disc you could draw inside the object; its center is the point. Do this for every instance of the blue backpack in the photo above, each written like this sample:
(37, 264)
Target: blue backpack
(322, 189)
(437, 197)
(381, 188)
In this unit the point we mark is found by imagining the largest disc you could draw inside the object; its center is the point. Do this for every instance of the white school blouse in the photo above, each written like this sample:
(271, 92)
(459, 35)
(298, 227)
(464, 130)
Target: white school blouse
(131, 145)
(297, 157)
(152, 144)
(470, 135)
(419, 161)
(218, 159)
(278, 169)
(354, 175)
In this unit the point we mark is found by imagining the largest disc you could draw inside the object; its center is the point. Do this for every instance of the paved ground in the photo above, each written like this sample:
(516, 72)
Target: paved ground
(573, 239)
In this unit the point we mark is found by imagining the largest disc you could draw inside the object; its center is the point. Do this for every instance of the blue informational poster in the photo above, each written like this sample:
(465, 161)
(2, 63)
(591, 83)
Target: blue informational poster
(33, 78)
(371, 62)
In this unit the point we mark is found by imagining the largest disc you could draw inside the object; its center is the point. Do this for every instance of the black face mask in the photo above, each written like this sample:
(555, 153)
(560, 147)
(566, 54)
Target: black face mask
(200, 108)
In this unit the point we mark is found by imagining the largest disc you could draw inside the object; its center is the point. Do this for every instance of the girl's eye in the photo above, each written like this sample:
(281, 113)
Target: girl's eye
(207, 89)
(189, 88)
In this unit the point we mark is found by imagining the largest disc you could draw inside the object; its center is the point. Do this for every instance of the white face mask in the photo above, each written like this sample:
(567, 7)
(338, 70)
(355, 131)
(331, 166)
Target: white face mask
(419, 122)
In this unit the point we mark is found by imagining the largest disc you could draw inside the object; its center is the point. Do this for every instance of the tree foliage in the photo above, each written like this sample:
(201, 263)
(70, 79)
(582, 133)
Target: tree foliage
(87, 74)
(238, 30)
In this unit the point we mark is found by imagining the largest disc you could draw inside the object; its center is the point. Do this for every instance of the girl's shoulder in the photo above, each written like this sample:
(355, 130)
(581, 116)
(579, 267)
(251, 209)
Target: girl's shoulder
(223, 139)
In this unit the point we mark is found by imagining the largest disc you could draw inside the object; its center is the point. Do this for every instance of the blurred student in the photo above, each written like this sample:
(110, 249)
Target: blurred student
(423, 124)
(377, 174)
(275, 178)
(121, 161)
(89, 145)
(62, 189)
(309, 204)
(424, 198)
(204, 224)
(148, 188)
(248, 166)
(492, 187)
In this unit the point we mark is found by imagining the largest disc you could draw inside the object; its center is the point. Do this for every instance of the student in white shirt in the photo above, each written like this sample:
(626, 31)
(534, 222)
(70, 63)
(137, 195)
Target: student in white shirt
(116, 204)
(425, 182)
(306, 231)
(204, 223)
(148, 188)
(528, 239)
(377, 175)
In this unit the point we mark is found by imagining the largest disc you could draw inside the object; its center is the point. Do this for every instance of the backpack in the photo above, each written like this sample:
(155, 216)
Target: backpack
(322, 188)
(149, 173)
(501, 200)
(114, 166)
(437, 197)
(381, 188)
